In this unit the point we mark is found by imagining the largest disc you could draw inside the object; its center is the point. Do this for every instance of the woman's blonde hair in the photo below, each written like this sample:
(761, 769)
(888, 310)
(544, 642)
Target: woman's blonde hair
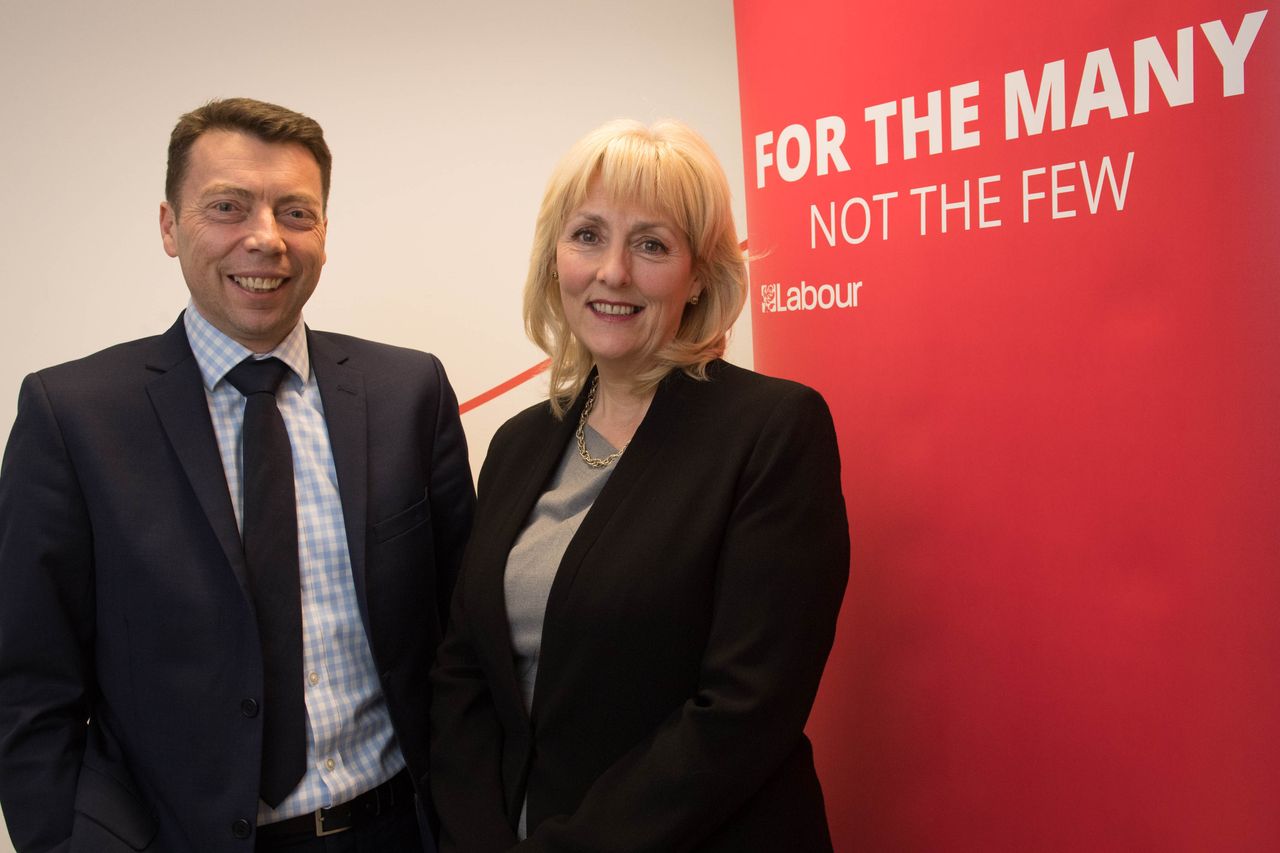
(668, 169)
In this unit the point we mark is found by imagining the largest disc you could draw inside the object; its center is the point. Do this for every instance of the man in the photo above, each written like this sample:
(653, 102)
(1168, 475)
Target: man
(149, 633)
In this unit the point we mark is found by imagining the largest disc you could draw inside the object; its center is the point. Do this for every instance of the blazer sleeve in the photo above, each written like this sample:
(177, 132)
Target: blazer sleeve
(781, 574)
(46, 627)
(466, 733)
(453, 497)
(466, 773)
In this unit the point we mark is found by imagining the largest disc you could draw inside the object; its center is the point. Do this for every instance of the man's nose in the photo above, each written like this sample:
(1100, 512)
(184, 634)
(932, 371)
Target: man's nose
(264, 234)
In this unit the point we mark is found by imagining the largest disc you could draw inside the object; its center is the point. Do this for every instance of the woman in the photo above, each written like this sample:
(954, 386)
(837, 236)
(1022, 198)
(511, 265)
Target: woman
(659, 551)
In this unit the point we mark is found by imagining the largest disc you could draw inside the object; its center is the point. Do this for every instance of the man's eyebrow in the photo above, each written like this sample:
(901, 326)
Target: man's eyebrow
(225, 189)
(298, 198)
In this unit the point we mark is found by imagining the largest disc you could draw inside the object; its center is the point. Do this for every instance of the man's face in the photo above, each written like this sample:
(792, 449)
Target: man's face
(249, 233)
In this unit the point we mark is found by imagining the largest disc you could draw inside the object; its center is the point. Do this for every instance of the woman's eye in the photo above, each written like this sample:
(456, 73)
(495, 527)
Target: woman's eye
(652, 246)
(586, 235)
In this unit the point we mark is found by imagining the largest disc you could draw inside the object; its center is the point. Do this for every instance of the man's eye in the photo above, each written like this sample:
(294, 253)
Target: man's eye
(299, 217)
(224, 207)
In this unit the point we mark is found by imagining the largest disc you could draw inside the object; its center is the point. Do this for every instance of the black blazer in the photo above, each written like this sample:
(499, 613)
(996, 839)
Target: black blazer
(685, 634)
(125, 600)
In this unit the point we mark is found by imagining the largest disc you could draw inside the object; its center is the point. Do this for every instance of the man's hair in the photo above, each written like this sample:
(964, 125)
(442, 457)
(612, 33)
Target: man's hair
(268, 122)
(665, 168)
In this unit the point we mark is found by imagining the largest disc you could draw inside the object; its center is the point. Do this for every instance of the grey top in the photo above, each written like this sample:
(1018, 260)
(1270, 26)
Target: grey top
(538, 550)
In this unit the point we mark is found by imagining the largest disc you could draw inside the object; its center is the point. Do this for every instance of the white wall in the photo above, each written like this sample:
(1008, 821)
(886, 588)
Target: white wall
(445, 119)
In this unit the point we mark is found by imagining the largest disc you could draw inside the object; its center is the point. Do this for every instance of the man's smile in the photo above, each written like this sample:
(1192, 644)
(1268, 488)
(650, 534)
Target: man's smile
(257, 284)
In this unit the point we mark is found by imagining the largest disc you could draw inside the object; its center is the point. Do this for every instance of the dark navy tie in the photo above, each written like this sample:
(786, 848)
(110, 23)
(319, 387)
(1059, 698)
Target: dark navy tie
(269, 529)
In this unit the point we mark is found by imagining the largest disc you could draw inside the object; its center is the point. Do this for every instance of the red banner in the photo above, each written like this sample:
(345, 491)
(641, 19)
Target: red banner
(1031, 255)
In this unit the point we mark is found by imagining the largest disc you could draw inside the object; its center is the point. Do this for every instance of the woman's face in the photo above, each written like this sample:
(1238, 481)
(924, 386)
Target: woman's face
(625, 277)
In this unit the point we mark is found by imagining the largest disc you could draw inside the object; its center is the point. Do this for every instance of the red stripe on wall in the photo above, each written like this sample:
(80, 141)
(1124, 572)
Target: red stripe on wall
(500, 389)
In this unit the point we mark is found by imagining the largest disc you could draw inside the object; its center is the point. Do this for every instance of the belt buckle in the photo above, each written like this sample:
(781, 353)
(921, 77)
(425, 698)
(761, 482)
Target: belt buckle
(321, 831)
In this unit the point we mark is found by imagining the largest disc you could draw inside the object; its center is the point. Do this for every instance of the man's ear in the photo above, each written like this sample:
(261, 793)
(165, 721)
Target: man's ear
(168, 221)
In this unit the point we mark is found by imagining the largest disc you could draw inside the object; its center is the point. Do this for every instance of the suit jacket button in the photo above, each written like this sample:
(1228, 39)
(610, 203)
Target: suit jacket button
(241, 829)
(249, 708)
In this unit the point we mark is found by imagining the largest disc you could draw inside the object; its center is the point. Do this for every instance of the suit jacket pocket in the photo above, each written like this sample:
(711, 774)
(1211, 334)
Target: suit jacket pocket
(103, 803)
(403, 521)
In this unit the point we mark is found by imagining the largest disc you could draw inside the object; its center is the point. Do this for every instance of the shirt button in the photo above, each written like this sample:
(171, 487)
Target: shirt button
(314, 678)
(241, 829)
(329, 764)
(249, 708)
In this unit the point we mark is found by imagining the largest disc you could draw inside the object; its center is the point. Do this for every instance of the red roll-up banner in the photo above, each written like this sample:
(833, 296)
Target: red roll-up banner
(1030, 253)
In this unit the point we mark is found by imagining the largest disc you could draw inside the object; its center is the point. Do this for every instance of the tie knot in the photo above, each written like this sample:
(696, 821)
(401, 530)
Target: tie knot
(258, 376)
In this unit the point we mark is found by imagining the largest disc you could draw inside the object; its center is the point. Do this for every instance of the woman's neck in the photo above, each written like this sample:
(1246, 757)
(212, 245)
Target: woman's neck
(618, 409)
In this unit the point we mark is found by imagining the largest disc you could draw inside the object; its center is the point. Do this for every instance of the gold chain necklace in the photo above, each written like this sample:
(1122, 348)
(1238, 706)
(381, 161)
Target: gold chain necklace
(582, 439)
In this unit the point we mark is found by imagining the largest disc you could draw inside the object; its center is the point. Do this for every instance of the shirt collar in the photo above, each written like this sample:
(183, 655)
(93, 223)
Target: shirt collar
(216, 353)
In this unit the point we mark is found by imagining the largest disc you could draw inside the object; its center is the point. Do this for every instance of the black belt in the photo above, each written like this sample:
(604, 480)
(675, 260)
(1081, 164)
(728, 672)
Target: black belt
(393, 793)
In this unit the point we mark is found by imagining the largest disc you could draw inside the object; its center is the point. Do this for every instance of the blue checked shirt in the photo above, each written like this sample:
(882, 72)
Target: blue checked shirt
(350, 743)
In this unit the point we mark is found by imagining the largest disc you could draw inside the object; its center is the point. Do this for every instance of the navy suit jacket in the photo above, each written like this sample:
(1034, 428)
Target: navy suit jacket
(129, 657)
(684, 638)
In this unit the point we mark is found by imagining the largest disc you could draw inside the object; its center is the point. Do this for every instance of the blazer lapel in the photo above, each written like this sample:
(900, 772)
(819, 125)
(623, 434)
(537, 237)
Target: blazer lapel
(177, 394)
(646, 446)
(346, 414)
(540, 468)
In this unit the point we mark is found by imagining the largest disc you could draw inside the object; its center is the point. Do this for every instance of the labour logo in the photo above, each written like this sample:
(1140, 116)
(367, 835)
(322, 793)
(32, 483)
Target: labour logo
(770, 297)
(809, 297)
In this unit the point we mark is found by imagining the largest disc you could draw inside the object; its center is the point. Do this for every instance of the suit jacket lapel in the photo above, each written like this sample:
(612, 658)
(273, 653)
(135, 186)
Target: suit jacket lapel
(540, 468)
(634, 465)
(645, 447)
(177, 394)
(343, 394)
